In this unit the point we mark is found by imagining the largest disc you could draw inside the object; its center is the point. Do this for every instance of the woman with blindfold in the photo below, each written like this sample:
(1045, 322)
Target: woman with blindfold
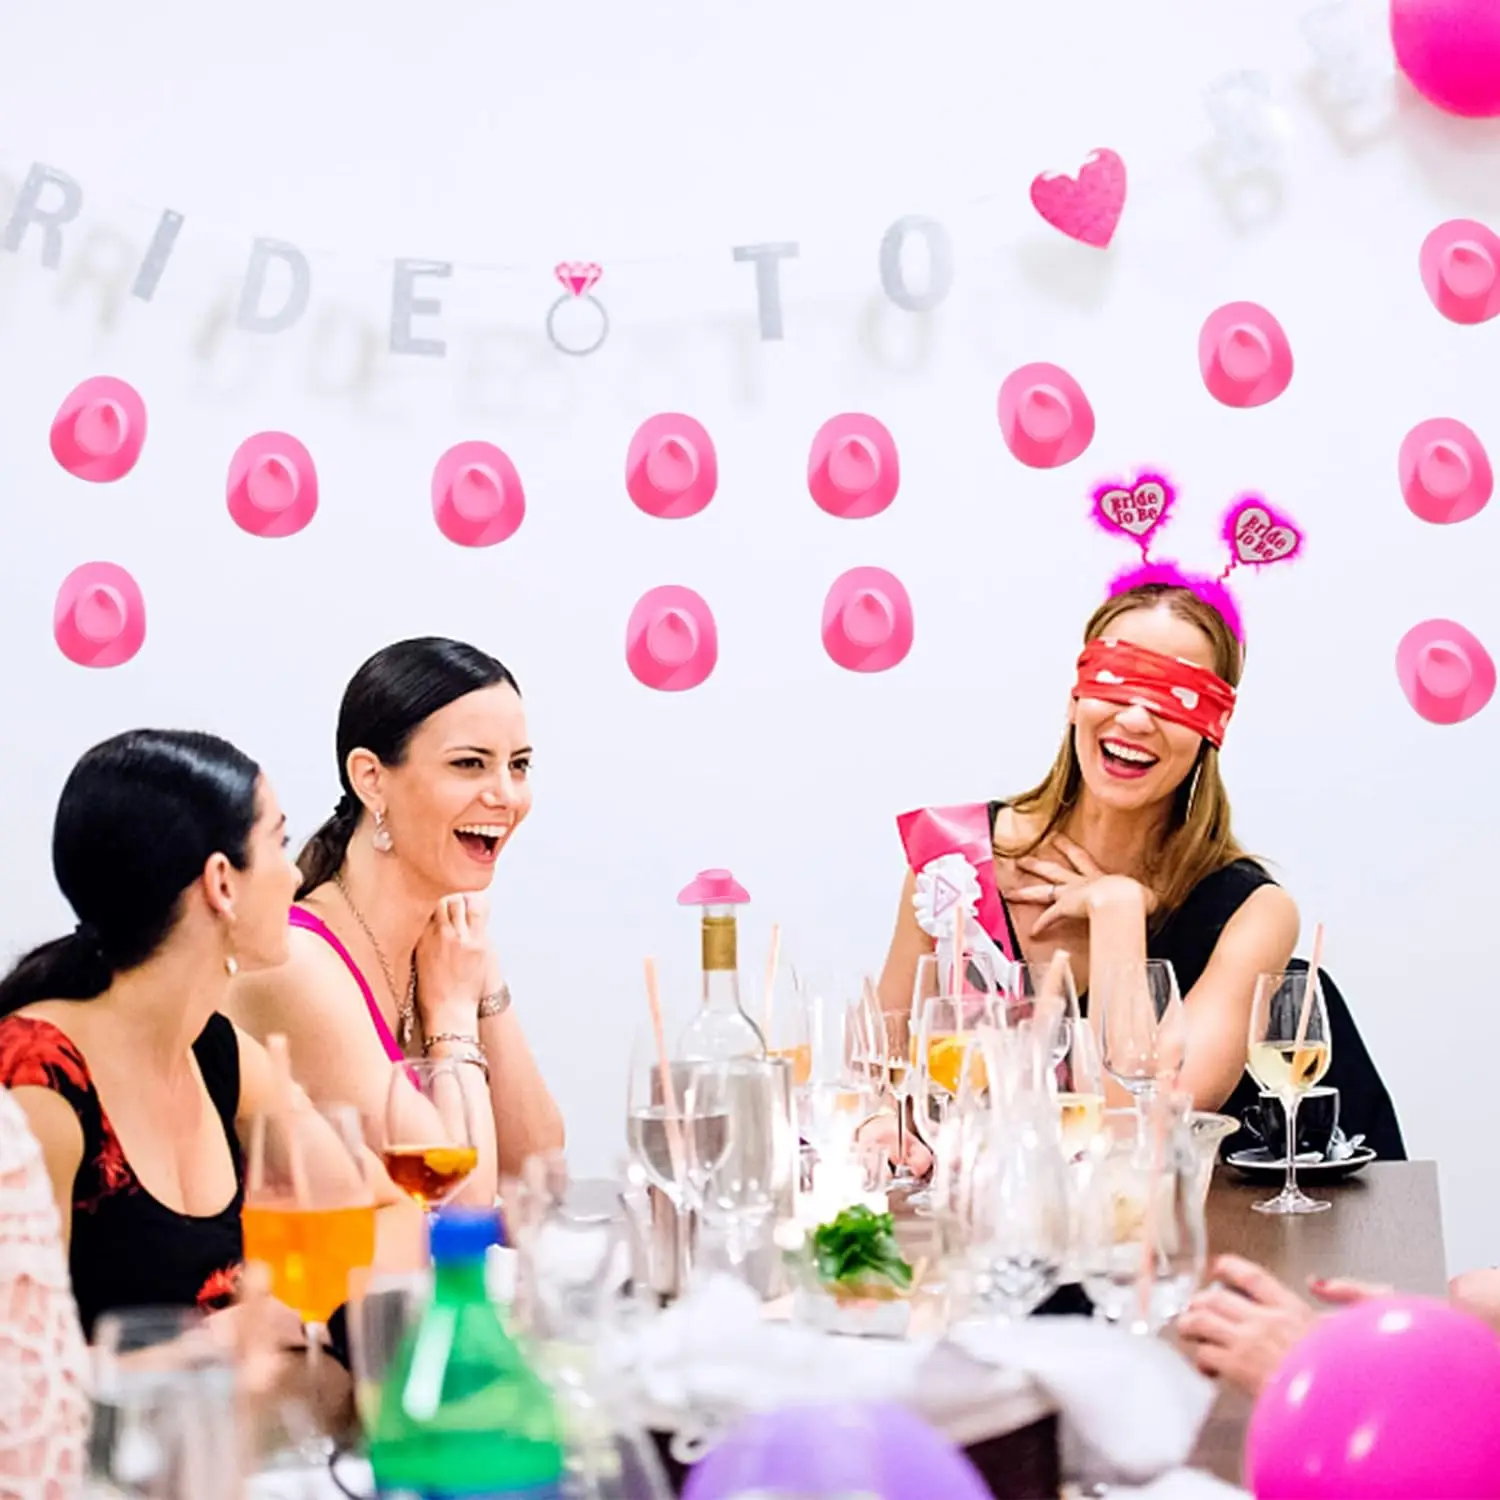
(1125, 849)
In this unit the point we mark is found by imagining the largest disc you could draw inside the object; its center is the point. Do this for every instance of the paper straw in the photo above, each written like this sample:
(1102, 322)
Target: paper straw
(1146, 1277)
(1308, 992)
(773, 959)
(958, 953)
(668, 1093)
(284, 1111)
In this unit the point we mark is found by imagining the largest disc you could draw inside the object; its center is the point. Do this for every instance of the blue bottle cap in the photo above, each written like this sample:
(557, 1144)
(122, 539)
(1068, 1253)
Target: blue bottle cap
(463, 1234)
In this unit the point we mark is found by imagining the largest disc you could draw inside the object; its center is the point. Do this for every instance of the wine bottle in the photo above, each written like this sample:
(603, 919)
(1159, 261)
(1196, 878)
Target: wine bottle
(721, 1031)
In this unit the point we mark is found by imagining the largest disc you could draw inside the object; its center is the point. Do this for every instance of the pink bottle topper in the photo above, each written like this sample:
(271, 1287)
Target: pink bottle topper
(1257, 535)
(1445, 472)
(99, 429)
(671, 469)
(99, 619)
(1045, 418)
(671, 640)
(713, 888)
(1445, 672)
(272, 488)
(1086, 207)
(1244, 354)
(1460, 265)
(867, 620)
(477, 498)
(852, 468)
(1134, 510)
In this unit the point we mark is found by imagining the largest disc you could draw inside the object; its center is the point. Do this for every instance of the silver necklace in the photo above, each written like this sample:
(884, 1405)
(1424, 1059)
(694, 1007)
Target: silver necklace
(406, 1010)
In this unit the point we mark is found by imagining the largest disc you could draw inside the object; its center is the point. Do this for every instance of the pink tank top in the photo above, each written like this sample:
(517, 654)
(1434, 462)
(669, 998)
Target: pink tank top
(301, 917)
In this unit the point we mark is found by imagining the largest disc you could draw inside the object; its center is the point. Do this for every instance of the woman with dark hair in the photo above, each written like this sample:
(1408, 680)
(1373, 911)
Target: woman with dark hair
(1125, 849)
(389, 957)
(170, 848)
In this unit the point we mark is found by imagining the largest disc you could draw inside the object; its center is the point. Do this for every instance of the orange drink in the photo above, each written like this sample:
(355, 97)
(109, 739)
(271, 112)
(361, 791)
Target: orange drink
(429, 1175)
(799, 1056)
(945, 1060)
(310, 1252)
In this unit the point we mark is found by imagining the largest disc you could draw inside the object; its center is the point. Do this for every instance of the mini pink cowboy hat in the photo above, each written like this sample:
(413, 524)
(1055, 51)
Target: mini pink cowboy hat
(1244, 355)
(272, 489)
(671, 469)
(99, 619)
(671, 641)
(1445, 472)
(1445, 672)
(1045, 418)
(99, 429)
(477, 498)
(852, 469)
(867, 620)
(1460, 263)
(713, 888)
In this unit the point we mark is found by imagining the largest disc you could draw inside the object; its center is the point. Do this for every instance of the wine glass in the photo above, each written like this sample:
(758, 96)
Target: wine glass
(786, 1023)
(1143, 1026)
(309, 1214)
(1291, 1047)
(744, 1105)
(980, 981)
(429, 1131)
(1142, 1242)
(657, 1133)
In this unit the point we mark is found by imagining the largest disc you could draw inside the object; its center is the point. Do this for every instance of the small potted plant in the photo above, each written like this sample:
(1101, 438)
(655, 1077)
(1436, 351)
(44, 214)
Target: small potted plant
(852, 1278)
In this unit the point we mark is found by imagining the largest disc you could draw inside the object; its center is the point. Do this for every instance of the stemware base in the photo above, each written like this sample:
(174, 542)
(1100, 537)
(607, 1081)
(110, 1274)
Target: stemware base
(1292, 1201)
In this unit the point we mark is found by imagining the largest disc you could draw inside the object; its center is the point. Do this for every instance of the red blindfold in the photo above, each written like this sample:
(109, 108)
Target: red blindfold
(1118, 672)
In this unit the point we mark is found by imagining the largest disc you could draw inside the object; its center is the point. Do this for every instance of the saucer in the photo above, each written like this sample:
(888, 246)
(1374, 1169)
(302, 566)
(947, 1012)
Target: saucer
(1260, 1166)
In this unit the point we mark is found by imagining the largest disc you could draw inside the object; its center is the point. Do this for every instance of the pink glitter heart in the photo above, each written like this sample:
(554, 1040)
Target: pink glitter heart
(1257, 534)
(1086, 207)
(578, 275)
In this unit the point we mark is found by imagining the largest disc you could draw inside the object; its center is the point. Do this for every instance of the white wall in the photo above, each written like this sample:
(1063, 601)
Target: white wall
(627, 133)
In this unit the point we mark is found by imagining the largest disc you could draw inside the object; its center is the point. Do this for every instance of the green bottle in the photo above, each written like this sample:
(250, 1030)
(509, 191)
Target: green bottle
(462, 1415)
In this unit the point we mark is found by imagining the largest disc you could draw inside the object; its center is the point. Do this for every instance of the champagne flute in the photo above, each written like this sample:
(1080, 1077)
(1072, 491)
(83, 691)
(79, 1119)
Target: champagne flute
(1291, 1047)
(1143, 1026)
(786, 1024)
(309, 1213)
(429, 1131)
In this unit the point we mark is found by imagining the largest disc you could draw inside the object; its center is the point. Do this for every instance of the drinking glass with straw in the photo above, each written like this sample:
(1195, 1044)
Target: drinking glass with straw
(1291, 1047)
(309, 1213)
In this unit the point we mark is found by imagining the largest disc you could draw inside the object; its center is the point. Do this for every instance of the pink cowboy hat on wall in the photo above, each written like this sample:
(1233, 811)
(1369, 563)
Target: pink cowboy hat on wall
(852, 469)
(1445, 472)
(99, 619)
(868, 625)
(1460, 265)
(1445, 671)
(477, 498)
(272, 489)
(99, 429)
(671, 468)
(1045, 418)
(671, 640)
(1244, 355)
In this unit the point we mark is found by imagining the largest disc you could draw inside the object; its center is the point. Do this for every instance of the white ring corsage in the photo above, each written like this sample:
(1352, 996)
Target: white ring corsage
(942, 883)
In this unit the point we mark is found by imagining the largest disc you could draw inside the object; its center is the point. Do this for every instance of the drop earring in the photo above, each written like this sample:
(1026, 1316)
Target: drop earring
(231, 965)
(382, 836)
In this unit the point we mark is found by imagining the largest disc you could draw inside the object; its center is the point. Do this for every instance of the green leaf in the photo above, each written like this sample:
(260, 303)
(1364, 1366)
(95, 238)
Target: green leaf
(859, 1245)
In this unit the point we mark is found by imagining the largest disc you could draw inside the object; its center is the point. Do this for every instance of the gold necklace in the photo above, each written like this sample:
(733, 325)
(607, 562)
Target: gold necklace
(406, 1010)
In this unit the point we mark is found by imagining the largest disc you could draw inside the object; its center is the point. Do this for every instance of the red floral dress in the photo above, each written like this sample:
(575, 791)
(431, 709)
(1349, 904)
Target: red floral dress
(127, 1249)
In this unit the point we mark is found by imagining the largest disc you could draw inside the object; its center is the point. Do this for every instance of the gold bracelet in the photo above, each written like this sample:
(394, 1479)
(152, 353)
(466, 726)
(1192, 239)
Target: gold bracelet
(451, 1036)
(470, 1050)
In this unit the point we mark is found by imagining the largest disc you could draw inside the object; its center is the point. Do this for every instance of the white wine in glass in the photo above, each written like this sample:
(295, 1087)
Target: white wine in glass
(1290, 1049)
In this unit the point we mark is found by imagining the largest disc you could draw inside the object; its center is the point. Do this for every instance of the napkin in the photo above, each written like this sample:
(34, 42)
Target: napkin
(1130, 1408)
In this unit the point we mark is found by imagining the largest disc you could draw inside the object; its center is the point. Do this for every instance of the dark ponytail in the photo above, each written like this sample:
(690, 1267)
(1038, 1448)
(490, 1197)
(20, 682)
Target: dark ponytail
(139, 817)
(386, 702)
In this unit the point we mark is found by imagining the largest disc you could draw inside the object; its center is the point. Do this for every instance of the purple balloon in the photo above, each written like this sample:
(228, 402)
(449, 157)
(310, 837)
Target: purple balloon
(1387, 1400)
(809, 1452)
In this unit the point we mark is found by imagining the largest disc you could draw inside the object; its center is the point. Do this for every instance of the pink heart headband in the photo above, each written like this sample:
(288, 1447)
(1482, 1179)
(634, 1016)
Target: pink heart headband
(1254, 531)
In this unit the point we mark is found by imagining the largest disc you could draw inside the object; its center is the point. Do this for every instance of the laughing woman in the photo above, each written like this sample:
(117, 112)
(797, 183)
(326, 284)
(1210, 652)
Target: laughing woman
(1125, 849)
(389, 956)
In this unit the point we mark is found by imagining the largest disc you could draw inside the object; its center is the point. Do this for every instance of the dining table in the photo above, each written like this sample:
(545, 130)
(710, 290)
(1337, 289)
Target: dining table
(1385, 1226)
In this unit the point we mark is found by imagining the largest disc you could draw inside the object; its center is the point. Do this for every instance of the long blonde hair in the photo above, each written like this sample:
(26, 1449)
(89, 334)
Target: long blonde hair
(1198, 838)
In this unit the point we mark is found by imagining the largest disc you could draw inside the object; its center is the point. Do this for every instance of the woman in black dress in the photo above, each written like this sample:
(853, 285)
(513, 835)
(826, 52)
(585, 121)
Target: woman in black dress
(1125, 849)
(171, 849)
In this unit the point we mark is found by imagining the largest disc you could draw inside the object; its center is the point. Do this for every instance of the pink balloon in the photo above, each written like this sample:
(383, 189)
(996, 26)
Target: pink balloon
(1450, 50)
(1397, 1398)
